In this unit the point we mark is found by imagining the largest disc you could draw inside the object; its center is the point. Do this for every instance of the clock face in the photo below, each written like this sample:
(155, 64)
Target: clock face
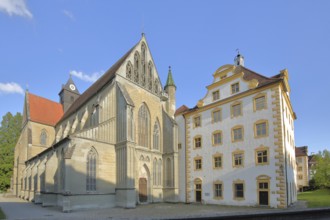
(72, 87)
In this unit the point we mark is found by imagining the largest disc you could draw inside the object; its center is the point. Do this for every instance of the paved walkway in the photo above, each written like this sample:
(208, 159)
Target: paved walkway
(19, 209)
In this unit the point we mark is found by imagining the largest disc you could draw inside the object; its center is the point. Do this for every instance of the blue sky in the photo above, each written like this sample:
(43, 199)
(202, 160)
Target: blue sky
(41, 42)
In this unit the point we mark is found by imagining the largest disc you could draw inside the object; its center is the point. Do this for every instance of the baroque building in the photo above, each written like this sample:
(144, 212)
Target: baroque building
(236, 146)
(113, 145)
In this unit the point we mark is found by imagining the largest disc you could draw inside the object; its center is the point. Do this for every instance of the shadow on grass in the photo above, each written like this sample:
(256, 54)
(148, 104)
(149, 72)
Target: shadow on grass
(2, 215)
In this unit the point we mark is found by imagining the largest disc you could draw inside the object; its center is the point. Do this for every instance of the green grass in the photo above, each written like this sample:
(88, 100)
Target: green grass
(317, 198)
(2, 215)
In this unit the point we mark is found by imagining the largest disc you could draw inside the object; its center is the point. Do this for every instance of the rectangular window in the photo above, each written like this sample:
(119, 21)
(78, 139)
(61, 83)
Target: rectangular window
(216, 95)
(198, 142)
(299, 168)
(216, 116)
(217, 162)
(300, 177)
(238, 159)
(238, 134)
(197, 121)
(262, 156)
(236, 110)
(261, 129)
(239, 190)
(260, 103)
(217, 138)
(198, 164)
(263, 185)
(235, 88)
(217, 190)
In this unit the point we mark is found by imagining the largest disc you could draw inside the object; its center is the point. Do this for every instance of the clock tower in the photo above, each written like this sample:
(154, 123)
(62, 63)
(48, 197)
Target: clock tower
(68, 94)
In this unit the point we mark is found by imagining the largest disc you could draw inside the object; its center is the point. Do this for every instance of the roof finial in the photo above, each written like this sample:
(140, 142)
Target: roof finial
(237, 50)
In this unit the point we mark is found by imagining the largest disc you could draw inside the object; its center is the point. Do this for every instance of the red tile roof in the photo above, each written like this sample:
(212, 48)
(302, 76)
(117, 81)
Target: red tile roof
(43, 110)
(301, 151)
(180, 110)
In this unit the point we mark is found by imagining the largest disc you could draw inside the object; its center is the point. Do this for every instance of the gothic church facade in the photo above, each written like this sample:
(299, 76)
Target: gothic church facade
(113, 145)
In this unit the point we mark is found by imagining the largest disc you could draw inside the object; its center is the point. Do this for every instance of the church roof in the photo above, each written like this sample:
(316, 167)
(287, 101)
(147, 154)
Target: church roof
(97, 86)
(43, 110)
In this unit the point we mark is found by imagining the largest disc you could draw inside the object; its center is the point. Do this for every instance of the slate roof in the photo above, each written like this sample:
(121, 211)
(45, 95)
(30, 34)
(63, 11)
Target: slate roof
(97, 86)
(43, 110)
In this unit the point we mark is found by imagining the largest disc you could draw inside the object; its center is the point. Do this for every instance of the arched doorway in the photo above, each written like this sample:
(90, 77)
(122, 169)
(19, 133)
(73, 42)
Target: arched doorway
(144, 184)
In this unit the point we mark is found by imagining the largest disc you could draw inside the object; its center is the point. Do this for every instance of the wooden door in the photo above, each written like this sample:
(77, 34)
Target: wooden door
(263, 198)
(143, 190)
(198, 192)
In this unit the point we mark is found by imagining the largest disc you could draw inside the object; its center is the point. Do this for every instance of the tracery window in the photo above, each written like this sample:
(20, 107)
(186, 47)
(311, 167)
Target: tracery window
(156, 86)
(143, 65)
(129, 70)
(143, 127)
(150, 77)
(136, 67)
(43, 137)
(91, 171)
(156, 136)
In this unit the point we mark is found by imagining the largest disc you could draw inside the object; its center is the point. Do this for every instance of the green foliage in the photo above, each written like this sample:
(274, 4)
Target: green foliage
(322, 169)
(9, 134)
(317, 198)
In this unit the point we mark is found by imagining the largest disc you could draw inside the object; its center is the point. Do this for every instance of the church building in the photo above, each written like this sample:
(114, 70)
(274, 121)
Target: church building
(113, 145)
(236, 146)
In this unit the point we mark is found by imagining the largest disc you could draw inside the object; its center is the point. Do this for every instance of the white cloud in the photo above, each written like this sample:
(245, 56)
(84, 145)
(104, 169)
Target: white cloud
(69, 14)
(11, 88)
(85, 77)
(15, 7)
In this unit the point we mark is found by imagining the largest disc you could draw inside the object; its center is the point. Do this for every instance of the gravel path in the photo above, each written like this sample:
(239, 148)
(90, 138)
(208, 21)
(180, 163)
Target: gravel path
(19, 209)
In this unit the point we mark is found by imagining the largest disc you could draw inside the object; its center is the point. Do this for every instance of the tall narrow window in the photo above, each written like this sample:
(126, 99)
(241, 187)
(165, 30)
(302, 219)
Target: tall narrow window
(43, 137)
(143, 65)
(150, 77)
(95, 116)
(198, 163)
(260, 103)
(198, 142)
(129, 70)
(91, 171)
(238, 191)
(136, 67)
(216, 138)
(156, 136)
(197, 121)
(159, 173)
(156, 87)
(144, 121)
(217, 190)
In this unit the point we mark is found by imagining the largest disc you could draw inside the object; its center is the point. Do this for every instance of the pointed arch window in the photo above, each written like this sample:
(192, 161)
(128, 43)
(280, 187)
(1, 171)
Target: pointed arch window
(144, 126)
(159, 172)
(43, 137)
(136, 66)
(150, 76)
(156, 137)
(143, 65)
(129, 70)
(91, 171)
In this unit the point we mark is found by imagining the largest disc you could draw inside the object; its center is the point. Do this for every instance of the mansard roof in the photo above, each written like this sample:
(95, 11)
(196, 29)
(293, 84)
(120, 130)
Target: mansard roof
(97, 86)
(43, 110)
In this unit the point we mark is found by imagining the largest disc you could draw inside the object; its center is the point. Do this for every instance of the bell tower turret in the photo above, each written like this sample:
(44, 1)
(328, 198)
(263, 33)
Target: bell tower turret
(68, 94)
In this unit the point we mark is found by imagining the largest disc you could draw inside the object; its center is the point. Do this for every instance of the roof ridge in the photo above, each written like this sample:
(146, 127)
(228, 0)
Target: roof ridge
(97, 85)
(44, 98)
(266, 77)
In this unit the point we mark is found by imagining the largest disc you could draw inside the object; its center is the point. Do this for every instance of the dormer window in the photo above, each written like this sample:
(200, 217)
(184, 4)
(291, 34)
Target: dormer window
(216, 95)
(235, 88)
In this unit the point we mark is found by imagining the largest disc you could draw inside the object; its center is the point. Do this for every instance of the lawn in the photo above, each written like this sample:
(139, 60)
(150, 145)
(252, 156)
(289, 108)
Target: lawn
(317, 198)
(2, 215)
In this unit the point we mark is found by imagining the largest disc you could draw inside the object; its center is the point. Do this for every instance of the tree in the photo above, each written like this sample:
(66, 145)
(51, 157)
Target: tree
(322, 169)
(9, 134)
